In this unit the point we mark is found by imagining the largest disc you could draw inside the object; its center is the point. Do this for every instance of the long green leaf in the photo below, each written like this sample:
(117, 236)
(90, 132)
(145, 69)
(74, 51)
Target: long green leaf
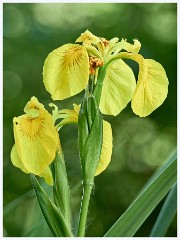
(61, 187)
(19, 200)
(170, 158)
(139, 210)
(166, 215)
(90, 137)
(54, 218)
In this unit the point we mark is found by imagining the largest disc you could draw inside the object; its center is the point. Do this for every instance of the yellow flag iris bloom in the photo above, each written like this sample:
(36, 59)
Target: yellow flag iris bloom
(71, 116)
(36, 140)
(66, 73)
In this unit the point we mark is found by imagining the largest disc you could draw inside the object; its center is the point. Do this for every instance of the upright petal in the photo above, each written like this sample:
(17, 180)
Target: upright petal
(112, 43)
(69, 116)
(152, 87)
(118, 88)
(133, 48)
(87, 37)
(92, 51)
(76, 107)
(123, 45)
(36, 138)
(66, 71)
(106, 151)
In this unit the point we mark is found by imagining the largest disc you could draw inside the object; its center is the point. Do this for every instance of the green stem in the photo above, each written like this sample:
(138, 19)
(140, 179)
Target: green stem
(99, 84)
(84, 209)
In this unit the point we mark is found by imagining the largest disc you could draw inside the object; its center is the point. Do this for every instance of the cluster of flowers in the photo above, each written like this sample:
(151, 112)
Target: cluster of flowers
(67, 71)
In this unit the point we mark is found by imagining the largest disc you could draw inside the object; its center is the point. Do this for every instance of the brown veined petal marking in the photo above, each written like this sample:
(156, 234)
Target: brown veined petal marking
(35, 137)
(66, 71)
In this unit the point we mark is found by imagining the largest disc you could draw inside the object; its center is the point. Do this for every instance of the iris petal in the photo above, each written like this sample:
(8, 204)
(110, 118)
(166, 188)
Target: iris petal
(47, 175)
(106, 151)
(118, 88)
(87, 37)
(66, 71)
(36, 140)
(16, 161)
(152, 87)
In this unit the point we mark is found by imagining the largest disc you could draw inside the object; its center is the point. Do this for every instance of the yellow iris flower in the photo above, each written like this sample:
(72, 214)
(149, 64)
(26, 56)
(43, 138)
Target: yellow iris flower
(36, 140)
(66, 73)
(71, 116)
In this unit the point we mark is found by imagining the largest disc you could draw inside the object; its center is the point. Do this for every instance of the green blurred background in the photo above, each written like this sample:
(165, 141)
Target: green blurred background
(141, 145)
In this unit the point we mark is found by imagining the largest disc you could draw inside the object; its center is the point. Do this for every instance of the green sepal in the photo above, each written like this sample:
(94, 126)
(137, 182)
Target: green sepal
(90, 137)
(61, 190)
(54, 218)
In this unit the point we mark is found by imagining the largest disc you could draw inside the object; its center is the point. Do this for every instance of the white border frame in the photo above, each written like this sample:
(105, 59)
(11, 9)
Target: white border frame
(1, 109)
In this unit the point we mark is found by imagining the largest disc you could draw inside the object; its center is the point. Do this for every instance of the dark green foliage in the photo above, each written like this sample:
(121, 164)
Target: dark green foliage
(52, 214)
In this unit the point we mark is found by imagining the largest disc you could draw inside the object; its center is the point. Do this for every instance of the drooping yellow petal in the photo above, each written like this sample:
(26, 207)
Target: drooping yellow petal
(87, 37)
(118, 88)
(16, 161)
(152, 87)
(47, 175)
(66, 71)
(106, 151)
(36, 138)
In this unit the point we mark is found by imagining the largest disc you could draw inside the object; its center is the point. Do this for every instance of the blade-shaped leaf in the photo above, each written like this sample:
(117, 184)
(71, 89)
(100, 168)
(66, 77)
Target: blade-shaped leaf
(139, 210)
(52, 215)
(166, 215)
(90, 137)
(170, 158)
(61, 187)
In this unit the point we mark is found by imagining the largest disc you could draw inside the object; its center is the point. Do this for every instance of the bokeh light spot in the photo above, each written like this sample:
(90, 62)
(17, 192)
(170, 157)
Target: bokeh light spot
(162, 25)
(12, 85)
(15, 23)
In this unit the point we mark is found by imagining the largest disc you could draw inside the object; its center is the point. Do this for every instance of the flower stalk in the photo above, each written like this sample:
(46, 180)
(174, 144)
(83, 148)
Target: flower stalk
(99, 84)
(84, 209)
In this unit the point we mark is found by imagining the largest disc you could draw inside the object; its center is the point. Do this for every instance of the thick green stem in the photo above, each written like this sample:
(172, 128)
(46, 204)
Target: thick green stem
(84, 209)
(99, 84)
